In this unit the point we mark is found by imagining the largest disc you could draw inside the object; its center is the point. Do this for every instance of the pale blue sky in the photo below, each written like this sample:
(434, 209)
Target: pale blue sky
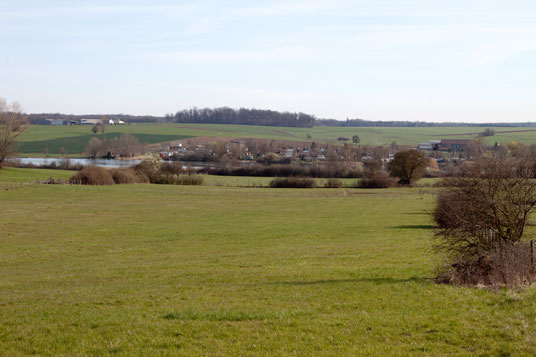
(431, 60)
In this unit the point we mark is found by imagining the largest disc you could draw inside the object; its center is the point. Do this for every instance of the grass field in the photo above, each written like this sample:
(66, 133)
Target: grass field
(74, 138)
(210, 270)
(11, 176)
(16, 176)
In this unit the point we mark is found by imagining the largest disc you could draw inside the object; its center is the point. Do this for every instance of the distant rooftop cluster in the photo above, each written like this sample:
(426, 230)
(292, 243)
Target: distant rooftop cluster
(444, 145)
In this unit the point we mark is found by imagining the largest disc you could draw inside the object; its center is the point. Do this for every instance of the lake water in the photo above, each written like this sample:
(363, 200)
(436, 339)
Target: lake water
(111, 163)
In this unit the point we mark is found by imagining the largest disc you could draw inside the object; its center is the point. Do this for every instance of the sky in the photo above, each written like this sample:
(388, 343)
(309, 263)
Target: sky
(425, 60)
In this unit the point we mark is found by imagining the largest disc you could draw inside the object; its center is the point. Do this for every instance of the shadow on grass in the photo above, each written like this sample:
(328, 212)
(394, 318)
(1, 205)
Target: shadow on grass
(417, 212)
(415, 226)
(377, 281)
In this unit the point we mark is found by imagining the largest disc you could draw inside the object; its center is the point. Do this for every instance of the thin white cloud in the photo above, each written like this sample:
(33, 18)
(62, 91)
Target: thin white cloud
(224, 57)
(94, 10)
(288, 7)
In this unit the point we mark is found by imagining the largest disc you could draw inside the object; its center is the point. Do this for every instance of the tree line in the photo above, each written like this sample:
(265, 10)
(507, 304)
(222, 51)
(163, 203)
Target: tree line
(410, 124)
(243, 116)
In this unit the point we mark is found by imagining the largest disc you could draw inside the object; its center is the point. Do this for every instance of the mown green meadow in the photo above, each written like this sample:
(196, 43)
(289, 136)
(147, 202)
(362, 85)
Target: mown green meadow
(51, 139)
(15, 178)
(217, 270)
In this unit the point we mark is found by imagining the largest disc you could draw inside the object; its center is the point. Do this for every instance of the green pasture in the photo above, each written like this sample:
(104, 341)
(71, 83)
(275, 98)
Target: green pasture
(42, 138)
(215, 270)
(11, 175)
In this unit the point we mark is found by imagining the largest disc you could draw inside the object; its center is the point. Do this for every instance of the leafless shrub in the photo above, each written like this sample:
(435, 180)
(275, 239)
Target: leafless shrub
(481, 216)
(293, 182)
(141, 177)
(173, 168)
(190, 180)
(335, 171)
(510, 265)
(148, 167)
(377, 180)
(127, 176)
(93, 175)
(172, 179)
(333, 183)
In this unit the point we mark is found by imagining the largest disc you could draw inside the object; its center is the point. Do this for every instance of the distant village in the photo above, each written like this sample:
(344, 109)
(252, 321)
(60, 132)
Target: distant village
(444, 151)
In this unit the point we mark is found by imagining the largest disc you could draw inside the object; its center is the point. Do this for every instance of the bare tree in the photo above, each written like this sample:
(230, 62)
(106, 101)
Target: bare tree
(101, 126)
(128, 145)
(219, 149)
(94, 147)
(13, 122)
(476, 149)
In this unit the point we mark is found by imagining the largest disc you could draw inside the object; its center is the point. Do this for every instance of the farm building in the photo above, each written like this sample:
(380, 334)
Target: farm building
(444, 145)
(454, 144)
(90, 121)
(59, 122)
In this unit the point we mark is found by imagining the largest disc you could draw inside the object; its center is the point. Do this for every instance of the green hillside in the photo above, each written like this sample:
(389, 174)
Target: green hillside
(74, 138)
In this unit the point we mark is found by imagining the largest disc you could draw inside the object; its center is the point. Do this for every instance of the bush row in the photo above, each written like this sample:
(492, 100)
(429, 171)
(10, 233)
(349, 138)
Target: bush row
(142, 173)
(377, 180)
(333, 171)
(293, 182)
(95, 175)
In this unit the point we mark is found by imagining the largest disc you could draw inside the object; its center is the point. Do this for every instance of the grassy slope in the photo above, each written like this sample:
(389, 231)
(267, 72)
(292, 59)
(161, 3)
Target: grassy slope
(237, 271)
(74, 138)
(10, 175)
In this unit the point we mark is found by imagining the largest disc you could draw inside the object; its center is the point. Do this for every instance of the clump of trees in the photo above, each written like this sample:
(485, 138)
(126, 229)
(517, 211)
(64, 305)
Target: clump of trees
(124, 146)
(13, 122)
(244, 116)
(481, 216)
